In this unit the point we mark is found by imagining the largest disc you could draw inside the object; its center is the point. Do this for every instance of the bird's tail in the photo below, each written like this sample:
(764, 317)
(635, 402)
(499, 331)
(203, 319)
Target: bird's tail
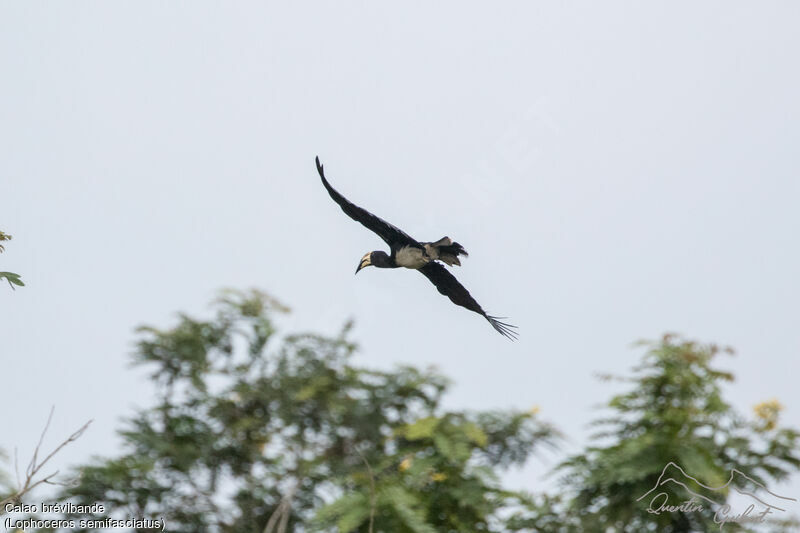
(505, 329)
(449, 251)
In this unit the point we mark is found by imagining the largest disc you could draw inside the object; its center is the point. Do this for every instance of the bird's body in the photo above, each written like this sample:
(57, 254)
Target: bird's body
(412, 257)
(406, 252)
(415, 257)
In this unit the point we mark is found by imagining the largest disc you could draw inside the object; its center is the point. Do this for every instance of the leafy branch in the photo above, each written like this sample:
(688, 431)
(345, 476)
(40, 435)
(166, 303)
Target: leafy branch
(12, 278)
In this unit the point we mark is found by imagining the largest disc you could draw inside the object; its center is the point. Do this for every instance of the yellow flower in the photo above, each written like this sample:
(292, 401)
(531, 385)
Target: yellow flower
(405, 464)
(768, 413)
(534, 410)
(439, 476)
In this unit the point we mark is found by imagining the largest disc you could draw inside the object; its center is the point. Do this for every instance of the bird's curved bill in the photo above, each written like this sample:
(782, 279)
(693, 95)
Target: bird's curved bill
(365, 262)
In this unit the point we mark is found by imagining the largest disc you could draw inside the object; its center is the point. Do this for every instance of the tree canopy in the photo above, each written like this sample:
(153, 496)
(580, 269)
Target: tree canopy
(673, 423)
(251, 431)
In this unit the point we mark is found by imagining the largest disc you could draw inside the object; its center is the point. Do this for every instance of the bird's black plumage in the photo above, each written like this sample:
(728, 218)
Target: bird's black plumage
(448, 285)
(421, 256)
(392, 235)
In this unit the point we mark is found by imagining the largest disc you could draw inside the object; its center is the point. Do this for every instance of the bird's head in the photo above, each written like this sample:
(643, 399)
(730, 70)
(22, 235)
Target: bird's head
(365, 261)
(377, 259)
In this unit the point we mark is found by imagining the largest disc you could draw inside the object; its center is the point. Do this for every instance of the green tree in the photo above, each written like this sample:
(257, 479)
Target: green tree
(252, 433)
(13, 279)
(674, 413)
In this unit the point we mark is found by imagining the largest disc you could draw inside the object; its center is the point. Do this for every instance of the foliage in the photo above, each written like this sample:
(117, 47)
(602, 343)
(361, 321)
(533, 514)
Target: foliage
(4, 237)
(673, 414)
(251, 433)
(254, 433)
(13, 279)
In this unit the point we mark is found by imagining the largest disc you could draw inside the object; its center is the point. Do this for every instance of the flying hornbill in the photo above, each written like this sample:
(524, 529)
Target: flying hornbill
(410, 253)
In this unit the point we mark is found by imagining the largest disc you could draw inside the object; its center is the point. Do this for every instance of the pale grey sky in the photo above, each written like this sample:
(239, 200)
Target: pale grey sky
(616, 170)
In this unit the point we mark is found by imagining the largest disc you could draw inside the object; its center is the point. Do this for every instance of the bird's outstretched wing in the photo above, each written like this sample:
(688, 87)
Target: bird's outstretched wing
(392, 235)
(448, 285)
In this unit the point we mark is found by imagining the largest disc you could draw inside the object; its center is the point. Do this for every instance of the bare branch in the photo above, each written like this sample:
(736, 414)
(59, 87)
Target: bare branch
(371, 489)
(35, 466)
(72, 438)
(29, 471)
(282, 512)
(16, 466)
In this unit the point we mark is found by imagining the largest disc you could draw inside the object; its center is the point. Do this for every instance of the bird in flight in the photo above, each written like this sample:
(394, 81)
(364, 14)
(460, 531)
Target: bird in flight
(424, 257)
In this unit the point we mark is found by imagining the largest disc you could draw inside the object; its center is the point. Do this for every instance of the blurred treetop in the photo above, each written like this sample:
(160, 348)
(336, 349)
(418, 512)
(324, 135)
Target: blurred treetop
(256, 433)
(672, 421)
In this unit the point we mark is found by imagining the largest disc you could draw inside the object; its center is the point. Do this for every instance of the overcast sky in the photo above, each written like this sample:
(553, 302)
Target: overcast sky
(616, 171)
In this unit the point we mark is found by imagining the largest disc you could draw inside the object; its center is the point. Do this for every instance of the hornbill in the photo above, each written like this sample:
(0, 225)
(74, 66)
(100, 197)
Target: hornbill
(407, 252)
